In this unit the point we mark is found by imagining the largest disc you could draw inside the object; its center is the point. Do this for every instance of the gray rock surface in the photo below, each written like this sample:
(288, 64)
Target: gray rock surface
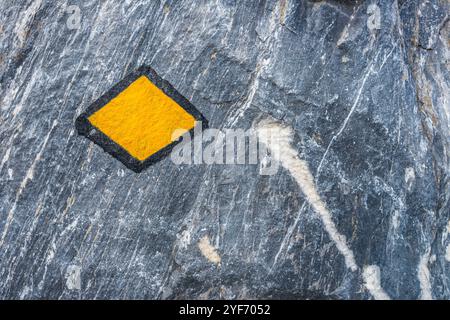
(366, 95)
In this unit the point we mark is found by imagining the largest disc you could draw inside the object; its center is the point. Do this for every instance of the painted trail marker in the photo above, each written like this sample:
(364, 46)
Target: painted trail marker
(135, 120)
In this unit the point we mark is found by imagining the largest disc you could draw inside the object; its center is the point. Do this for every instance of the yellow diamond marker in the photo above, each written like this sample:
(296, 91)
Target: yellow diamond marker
(141, 119)
(137, 119)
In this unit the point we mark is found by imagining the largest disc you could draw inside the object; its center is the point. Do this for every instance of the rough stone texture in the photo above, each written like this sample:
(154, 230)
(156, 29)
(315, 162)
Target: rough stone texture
(370, 112)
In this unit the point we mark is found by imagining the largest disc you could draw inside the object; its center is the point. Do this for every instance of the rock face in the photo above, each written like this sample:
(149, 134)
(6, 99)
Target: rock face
(358, 209)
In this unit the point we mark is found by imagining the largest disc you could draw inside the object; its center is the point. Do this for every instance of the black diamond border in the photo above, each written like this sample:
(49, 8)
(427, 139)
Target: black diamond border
(85, 128)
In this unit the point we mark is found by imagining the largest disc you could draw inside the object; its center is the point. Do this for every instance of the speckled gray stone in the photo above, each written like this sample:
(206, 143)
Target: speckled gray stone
(367, 98)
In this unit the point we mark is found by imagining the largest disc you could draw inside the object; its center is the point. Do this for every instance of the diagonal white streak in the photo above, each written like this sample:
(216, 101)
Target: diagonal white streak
(278, 140)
